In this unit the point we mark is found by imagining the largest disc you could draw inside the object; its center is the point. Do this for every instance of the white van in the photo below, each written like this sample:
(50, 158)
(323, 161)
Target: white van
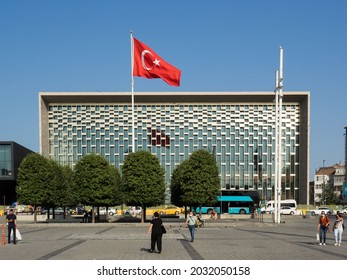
(270, 205)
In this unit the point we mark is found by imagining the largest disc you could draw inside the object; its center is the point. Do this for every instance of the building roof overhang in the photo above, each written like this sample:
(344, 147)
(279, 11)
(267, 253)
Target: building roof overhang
(170, 97)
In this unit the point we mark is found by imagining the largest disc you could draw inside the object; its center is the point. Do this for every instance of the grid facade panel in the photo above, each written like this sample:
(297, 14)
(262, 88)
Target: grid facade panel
(240, 136)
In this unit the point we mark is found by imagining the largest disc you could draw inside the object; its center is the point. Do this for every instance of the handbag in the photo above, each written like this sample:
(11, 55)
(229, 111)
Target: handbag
(18, 235)
(317, 236)
(163, 229)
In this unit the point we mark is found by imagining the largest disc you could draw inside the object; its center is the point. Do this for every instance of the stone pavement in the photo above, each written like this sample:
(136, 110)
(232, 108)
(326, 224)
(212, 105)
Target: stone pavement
(229, 239)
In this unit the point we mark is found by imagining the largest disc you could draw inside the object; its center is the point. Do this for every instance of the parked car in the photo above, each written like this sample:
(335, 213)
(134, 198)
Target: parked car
(18, 208)
(111, 211)
(171, 210)
(79, 210)
(57, 211)
(133, 211)
(286, 210)
(319, 210)
(344, 210)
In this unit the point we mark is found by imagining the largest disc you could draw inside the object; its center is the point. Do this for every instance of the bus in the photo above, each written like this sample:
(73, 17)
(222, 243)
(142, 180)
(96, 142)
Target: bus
(270, 205)
(232, 202)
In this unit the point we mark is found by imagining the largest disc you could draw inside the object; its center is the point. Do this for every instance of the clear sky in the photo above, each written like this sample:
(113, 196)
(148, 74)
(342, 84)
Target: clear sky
(224, 45)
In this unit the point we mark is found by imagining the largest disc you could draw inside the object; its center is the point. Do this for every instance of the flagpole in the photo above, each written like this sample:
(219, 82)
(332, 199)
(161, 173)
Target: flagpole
(132, 92)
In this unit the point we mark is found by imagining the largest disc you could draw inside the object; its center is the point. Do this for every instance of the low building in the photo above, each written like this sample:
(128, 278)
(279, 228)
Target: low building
(330, 176)
(11, 155)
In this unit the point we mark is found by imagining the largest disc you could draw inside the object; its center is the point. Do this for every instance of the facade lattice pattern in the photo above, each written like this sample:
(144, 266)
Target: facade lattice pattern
(240, 136)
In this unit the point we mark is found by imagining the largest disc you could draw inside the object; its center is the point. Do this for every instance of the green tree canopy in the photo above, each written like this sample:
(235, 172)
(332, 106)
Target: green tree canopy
(97, 181)
(38, 181)
(143, 180)
(69, 193)
(176, 184)
(33, 177)
(328, 196)
(200, 181)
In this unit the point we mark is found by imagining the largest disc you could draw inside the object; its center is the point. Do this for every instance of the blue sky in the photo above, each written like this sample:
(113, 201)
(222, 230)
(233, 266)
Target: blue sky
(224, 45)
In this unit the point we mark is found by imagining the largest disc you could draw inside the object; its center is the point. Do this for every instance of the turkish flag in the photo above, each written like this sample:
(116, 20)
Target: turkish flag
(148, 64)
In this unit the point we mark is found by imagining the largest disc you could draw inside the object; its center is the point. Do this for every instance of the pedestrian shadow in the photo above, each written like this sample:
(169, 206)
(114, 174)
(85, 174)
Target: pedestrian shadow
(145, 250)
(308, 243)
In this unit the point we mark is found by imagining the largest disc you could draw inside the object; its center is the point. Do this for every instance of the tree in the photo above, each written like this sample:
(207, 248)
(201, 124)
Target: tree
(143, 181)
(53, 194)
(33, 178)
(328, 196)
(200, 179)
(97, 182)
(176, 184)
(117, 195)
(69, 193)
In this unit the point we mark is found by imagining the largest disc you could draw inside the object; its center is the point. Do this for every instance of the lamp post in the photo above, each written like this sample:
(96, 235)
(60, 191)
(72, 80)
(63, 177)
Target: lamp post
(278, 139)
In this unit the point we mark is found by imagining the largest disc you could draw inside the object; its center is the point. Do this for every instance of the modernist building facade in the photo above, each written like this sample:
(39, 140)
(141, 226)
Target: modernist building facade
(238, 128)
(11, 155)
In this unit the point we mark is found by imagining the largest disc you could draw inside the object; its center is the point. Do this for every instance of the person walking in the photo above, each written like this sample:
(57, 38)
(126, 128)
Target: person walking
(11, 220)
(338, 229)
(85, 216)
(155, 229)
(191, 221)
(323, 227)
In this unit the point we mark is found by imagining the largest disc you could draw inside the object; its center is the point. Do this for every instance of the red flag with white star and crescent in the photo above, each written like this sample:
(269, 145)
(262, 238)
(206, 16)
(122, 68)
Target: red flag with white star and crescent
(148, 64)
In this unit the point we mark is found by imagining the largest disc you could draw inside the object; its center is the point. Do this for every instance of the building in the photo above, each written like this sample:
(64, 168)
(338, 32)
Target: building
(330, 176)
(236, 127)
(11, 155)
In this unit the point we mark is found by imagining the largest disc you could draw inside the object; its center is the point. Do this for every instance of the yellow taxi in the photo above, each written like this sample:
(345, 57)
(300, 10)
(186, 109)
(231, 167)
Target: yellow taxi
(171, 210)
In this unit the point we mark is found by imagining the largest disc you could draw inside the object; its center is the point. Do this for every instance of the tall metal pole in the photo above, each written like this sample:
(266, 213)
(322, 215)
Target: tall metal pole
(276, 148)
(280, 96)
(132, 93)
(278, 140)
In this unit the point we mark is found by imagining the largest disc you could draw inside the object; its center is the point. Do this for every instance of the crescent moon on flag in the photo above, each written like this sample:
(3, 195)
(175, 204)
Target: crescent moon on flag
(143, 59)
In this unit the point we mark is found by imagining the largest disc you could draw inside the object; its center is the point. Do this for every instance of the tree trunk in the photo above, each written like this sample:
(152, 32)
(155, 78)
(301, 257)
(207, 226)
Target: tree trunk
(93, 215)
(35, 214)
(143, 214)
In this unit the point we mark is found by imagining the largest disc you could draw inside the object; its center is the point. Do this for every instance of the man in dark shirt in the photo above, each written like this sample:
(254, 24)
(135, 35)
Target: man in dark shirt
(11, 220)
(156, 232)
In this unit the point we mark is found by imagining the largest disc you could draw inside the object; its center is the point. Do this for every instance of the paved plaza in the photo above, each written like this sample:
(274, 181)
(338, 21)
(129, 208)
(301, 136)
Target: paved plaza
(229, 239)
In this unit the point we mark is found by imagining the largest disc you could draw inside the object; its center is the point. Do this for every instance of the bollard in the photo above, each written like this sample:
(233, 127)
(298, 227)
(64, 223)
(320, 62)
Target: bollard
(3, 235)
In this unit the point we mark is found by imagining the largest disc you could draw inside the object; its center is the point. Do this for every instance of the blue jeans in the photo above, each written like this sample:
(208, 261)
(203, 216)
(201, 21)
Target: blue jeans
(323, 234)
(192, 231)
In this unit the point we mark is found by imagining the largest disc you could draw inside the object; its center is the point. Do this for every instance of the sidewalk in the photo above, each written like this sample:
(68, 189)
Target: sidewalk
(228, 239)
